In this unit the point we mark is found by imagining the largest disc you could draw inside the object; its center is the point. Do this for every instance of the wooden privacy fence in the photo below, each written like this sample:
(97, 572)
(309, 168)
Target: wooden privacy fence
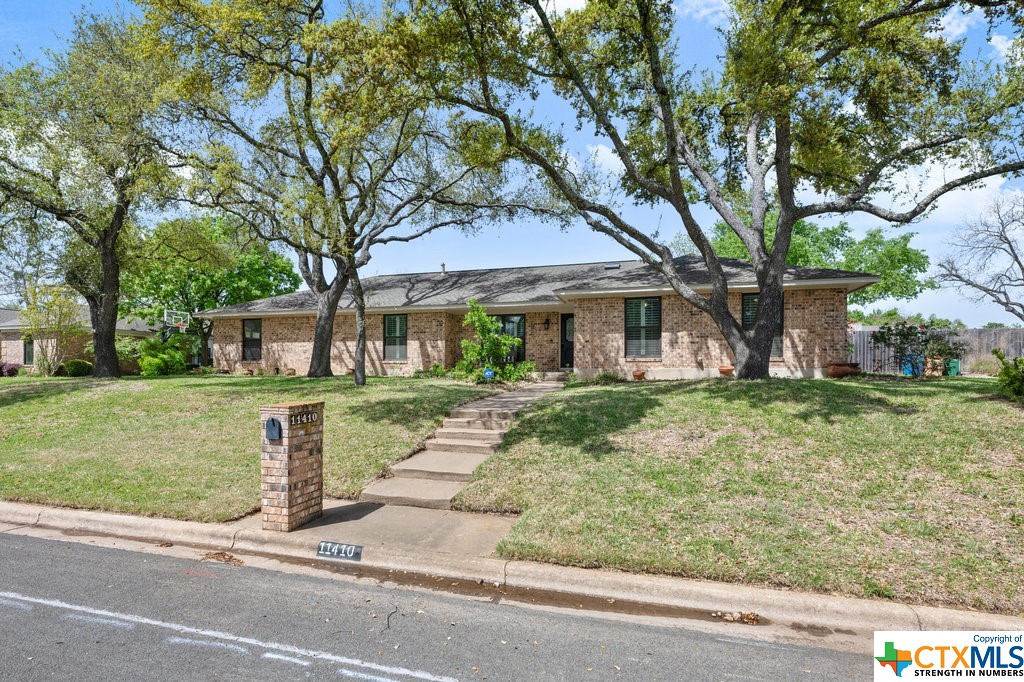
(980, 342)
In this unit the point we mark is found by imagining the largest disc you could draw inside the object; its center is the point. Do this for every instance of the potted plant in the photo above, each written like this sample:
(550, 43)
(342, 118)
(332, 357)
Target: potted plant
(837, 369)
(639, 374)
(726, 370)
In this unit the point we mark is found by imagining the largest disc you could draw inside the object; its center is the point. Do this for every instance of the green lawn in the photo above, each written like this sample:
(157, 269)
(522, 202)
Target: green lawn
(188, 447)
(894, 489)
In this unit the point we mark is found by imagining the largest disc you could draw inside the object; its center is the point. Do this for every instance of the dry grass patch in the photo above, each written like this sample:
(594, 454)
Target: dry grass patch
(893, 489)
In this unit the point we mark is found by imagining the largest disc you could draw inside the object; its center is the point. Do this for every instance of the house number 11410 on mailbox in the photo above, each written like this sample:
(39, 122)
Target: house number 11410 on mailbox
(303, 418)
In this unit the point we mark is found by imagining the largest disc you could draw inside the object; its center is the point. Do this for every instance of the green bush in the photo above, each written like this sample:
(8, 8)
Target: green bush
(487, 348)
(78, 368)
(436, 371)
(162, 358)
(1011, 376)
(169, 362)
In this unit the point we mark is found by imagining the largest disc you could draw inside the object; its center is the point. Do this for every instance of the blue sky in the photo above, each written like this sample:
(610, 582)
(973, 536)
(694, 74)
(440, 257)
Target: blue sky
(35, 26)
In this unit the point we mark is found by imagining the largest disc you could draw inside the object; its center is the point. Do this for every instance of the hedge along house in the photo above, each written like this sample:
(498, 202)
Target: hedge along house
(589, 317)
(14, 347)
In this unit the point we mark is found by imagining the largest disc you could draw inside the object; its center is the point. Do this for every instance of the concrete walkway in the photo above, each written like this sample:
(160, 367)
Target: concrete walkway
(473, 432)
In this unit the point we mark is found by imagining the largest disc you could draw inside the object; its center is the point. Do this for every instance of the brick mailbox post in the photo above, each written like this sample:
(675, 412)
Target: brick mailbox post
(292, 460)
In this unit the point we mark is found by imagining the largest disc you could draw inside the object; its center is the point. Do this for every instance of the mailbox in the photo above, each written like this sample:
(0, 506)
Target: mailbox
(273, 429)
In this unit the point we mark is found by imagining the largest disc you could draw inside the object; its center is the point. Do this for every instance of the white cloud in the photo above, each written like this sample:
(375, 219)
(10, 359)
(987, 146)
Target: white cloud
(713, 12)
(1002, 45)
(604, 157)
(956, 24)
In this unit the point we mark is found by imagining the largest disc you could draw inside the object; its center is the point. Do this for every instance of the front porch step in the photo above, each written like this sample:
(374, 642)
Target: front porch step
(470, 446)
(554, 376)
(412, 492)
(437, 465)
(465, 424)
(483, 435)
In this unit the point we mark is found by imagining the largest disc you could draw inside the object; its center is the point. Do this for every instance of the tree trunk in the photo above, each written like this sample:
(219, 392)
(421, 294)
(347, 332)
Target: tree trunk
(311, 266)
(323, 332)
(359, 375)
(103, 311)
(205, 329)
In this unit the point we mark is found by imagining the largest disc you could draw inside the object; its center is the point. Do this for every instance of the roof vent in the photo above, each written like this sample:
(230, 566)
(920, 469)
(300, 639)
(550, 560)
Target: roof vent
(611, 266)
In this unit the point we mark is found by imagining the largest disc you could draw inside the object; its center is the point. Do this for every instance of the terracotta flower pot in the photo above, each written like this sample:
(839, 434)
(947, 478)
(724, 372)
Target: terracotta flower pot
(639, 374)
(726, 370)
(838, 370)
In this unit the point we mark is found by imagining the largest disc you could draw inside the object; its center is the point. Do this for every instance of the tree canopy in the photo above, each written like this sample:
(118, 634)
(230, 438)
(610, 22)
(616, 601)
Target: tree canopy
(196, 264)
(900, 267)
(817, 109)
(81, 157)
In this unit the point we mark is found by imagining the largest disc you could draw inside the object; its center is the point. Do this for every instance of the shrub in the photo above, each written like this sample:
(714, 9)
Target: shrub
(161, 358)
(520, 371)
(9, 369)
(1011, 376)
(78, 368)
(487, 348)
(436, 371)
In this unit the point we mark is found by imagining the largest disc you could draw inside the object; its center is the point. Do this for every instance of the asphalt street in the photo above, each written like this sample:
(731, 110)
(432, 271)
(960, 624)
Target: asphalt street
(76, 612)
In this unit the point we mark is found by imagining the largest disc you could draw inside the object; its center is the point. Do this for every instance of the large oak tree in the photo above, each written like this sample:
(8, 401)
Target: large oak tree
(79, 153)
(315, 142)
(816, 109)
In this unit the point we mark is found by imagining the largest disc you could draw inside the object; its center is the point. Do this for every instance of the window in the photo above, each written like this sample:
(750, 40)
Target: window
(30, 351)
(750, 317)
(643, 327)
(252, 339)
(396, 337)
(514, 325)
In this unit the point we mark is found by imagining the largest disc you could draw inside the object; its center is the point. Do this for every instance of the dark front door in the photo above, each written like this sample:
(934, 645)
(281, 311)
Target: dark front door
(568, 333)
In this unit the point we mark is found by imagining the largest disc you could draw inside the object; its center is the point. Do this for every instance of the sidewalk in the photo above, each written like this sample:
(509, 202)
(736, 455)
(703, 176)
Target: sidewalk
(406, 545)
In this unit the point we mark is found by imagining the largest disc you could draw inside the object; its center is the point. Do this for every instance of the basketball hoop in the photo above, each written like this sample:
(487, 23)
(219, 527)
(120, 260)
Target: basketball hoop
(177, 319)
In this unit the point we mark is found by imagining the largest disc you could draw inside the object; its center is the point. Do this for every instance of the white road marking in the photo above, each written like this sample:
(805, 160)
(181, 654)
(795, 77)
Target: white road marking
(214, 634)
(286, 659)
(202, 642)
(124, 625)
(21, 606)
(364, 676)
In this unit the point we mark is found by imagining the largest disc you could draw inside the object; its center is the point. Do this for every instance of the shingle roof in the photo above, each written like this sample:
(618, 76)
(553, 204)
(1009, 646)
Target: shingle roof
(11, 319)
(537, 285)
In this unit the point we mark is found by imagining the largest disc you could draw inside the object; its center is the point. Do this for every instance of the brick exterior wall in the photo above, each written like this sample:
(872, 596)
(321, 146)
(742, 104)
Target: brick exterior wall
(814, 334)
(12, 348)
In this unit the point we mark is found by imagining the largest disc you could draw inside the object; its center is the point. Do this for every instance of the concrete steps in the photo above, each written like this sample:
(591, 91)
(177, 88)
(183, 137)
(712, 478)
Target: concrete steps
(481, 434)
(473, 432)
(476, 447)
(439, 466)
(412, 492)
(466, 423)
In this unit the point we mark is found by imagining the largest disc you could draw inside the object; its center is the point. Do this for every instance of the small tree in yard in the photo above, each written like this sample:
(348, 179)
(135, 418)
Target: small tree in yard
(905, 340)
(51, 321)
(489, 347)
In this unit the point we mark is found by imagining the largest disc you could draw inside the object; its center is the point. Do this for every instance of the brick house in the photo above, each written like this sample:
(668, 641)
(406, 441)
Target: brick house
(15, 348)
(589, 317)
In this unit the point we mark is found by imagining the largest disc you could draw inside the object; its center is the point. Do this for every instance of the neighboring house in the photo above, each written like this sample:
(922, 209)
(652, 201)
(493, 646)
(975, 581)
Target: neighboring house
(589, 317)
(14, 347)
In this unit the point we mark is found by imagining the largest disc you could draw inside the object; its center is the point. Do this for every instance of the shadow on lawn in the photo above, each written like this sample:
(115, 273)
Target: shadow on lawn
(21, 391)
(587, 417)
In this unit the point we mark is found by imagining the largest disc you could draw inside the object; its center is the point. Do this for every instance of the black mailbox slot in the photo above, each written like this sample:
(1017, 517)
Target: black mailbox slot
(273, 429)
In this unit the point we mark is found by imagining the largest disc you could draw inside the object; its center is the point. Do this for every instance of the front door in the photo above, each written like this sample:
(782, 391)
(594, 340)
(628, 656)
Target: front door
(568, 333)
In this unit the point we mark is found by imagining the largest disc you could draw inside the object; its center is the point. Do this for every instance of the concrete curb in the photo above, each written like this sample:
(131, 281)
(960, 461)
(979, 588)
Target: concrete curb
(800, 611)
